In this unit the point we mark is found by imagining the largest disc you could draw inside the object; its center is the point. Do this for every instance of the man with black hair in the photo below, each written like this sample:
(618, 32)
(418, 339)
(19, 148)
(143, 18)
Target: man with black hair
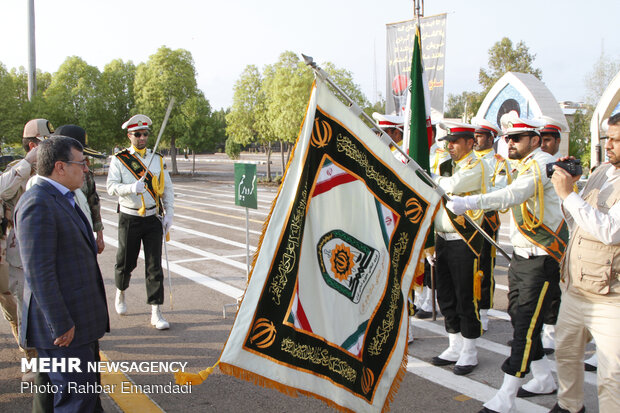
(456, 257)
(591, 300)
(539, 236)
(65, 310)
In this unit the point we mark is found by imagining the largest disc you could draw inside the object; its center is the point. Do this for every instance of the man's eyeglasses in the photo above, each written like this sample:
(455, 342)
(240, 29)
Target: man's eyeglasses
(139, 134)
(83, 163)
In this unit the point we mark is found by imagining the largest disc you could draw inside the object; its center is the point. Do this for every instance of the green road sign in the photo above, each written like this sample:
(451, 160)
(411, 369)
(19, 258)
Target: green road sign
(245, 185)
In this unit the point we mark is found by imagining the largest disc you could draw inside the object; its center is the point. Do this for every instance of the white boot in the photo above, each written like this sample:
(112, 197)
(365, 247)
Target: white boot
(119, 302)
(468, 359)
(452, 353)
(484, 319)
(548, 338)
(410, 332)
(157, 320)
(542, 382)
(504, 399)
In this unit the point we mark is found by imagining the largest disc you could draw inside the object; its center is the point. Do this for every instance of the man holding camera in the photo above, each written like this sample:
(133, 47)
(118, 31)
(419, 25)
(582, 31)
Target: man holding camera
(539, 236)
(591, 301)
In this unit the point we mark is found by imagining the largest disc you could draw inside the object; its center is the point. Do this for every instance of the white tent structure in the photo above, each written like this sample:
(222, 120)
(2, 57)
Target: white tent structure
(527, 95)
(608, 105)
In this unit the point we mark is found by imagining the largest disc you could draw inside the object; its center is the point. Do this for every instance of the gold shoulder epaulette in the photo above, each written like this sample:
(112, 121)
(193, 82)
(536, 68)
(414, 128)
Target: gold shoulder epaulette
(471, 163)
(121, 152)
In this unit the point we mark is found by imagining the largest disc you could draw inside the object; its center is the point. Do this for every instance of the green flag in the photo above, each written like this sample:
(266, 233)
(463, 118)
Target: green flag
(419, 116)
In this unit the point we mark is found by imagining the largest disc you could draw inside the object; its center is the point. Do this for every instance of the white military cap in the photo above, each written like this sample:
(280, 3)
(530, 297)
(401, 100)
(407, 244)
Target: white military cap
(137, 122)
(38, 128)
(484, 126)
(550, 125)
(455, 130)
(388, 121)
(512, 124)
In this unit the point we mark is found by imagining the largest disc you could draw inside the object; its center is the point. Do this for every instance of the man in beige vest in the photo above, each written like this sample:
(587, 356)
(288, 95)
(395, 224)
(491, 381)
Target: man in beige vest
(591, 299)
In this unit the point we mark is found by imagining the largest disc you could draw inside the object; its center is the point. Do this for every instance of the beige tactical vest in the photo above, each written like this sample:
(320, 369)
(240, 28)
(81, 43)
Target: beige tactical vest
(590, 266)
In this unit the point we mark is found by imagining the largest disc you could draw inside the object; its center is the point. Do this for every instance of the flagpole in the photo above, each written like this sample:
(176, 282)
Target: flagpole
(354, 107)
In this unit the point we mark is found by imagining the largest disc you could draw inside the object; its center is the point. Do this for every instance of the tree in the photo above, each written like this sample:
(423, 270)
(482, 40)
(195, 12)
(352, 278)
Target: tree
(248, 103)
(73, 96)
(504, 58)
(116, 86)
(287, 89)
(579, 137)
(464, 105)
(600, 77)
(168, 73)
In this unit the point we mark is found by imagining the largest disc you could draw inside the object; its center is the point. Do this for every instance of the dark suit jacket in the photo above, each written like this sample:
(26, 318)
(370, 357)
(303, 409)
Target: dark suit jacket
(63, 285)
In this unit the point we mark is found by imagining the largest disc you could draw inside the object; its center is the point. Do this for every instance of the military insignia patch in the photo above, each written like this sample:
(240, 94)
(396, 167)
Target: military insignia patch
(346, 263)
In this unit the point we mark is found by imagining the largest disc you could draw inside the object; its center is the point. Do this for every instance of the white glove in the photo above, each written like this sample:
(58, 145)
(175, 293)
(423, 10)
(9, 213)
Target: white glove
(167, 223)
(431, 259)
(460, 204)
(137, 187)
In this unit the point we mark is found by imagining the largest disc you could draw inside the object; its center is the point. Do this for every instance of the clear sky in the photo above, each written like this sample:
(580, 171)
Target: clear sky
(567, 36)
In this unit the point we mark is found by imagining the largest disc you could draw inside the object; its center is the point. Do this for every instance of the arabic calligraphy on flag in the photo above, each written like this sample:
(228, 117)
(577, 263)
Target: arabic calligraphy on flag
(324, 313)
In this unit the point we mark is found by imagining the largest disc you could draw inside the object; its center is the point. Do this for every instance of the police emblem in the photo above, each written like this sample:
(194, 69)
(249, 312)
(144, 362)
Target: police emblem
(346, 263)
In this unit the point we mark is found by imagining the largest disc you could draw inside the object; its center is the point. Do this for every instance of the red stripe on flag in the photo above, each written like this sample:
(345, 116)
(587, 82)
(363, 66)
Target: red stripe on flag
(301, 316)
(335, 181)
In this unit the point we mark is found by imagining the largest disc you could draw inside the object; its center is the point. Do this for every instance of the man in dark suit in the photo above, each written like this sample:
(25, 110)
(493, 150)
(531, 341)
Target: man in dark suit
(65, 311)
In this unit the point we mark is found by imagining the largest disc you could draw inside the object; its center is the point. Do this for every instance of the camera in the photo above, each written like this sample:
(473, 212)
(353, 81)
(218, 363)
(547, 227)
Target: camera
(572, 166)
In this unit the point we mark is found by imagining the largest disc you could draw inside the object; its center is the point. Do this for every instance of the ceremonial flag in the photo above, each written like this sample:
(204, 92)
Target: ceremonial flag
(324, 312)
(419, 139)
(418, 134)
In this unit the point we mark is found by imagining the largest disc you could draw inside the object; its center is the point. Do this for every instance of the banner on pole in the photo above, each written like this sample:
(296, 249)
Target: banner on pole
(245, 185)
(325, 313)
(400, 41)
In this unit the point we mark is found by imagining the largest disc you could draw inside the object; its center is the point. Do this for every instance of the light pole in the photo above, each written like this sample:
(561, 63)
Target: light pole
(32, 56)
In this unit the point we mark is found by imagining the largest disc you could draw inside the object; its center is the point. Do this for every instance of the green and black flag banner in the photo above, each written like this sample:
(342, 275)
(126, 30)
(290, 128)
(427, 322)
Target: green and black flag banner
(324, 313)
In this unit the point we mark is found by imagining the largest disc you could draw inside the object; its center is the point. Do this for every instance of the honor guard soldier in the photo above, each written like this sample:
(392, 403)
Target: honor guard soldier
(550, 143)
(457, 250)
(392, 125)
(145, 195)
(484, 137)
(437, 153)
(550, 136)
(539, 235)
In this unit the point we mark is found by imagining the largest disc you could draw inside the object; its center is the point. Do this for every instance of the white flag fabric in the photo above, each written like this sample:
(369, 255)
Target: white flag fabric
(325, 313)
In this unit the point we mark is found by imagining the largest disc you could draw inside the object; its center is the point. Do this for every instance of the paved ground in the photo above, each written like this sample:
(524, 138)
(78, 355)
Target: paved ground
(207, 260)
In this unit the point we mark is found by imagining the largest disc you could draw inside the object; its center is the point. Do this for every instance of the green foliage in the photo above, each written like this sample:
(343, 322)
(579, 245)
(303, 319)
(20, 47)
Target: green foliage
(286, 86)
(464, 105)
(579, 137)
(503, 57)
(233, 149)
(248, 108)
(116, 88)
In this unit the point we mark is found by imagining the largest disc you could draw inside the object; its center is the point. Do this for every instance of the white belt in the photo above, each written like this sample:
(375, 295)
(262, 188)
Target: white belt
(134, 212)
(449, 236)
(527, 252)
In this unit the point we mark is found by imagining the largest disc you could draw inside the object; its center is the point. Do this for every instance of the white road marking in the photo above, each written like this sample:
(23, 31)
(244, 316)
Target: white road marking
(464, 385)
(483, 343)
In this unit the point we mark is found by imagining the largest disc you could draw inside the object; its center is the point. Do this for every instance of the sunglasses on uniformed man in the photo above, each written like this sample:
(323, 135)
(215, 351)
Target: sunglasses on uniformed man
(514, 138)
(139, 134)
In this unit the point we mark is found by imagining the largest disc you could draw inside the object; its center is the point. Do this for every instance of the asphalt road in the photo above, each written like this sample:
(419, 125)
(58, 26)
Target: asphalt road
(207, 255)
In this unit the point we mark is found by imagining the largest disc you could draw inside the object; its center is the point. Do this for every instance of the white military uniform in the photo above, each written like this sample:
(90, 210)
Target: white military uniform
(120, 180)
